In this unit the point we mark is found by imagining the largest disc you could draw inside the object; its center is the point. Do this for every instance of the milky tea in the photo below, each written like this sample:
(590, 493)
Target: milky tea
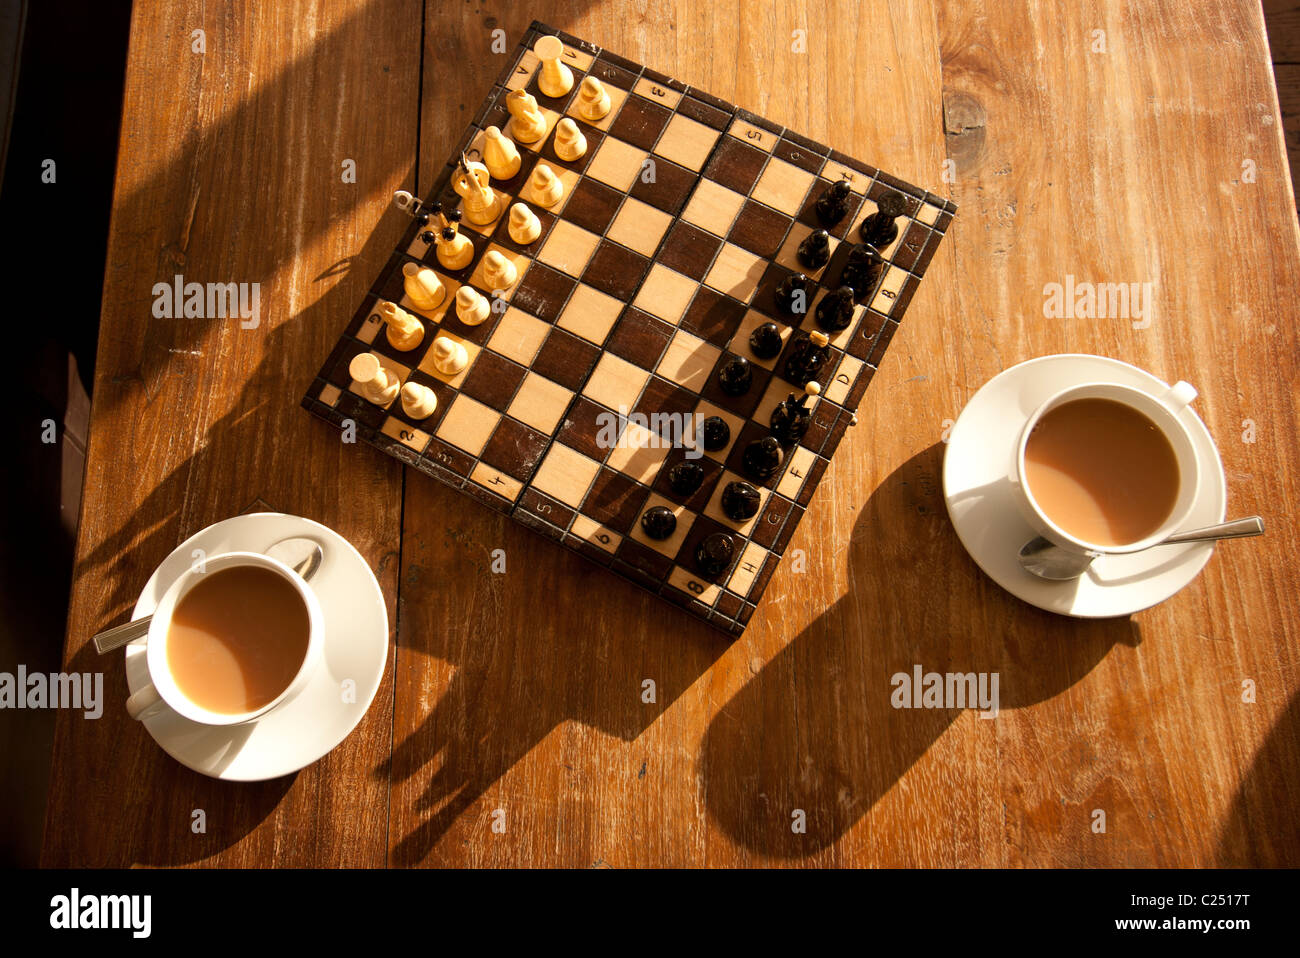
(1102, 471)
(237, 638)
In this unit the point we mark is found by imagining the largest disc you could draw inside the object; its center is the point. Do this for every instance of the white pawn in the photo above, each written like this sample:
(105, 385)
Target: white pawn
(555, 79)
(472, 307)
(449, 356)
(454, 252)
(418, 401)
(423, 288)
(593, 99)
(524, 227)
(500, 155)
(528, 123)
(498, 271)
(570, 144)
(372, 379)
(546, 186)
(404, 330)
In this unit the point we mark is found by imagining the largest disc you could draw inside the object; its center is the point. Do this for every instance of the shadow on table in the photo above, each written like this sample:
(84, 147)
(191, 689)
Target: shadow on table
(1254, 834)
(815, 730)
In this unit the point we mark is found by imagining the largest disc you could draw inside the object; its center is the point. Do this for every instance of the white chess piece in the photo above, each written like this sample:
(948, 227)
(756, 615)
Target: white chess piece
(404, 330)
(527, 121)
(498, 271)
(373, 380)
(524, 227)
(449, 356)
(546, 186)
(472, 307)
(423, 288)
(472, 183)
(418, 401)
(554, 78)
(500, 155)
(570, 144)
(593, 99)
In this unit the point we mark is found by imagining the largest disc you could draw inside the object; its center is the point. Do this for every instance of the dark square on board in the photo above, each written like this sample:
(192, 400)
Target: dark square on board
(543, 291)
(565, 359)
(702, 528)
(736, 165)
(640, 122)
(689, 250)
(493, 380)
(616, 270)
(697, 500)
(639, 338)
(742, 405)
(592, 205)
(614, 500)
(673, 403)
(581, 427)
(808, 213)
(760, 229)
(668, 186)
(713, 316)
(515, 449)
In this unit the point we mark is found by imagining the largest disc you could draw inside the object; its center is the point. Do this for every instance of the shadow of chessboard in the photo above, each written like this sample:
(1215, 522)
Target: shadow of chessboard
(663, 255)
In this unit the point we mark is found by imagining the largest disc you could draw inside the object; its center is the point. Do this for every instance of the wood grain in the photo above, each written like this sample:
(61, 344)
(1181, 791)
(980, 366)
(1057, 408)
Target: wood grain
(230, 171)
(519, 698)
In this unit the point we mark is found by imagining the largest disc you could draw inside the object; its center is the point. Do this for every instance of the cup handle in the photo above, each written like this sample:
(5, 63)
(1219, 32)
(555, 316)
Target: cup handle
(1179, 396)
(144, 703)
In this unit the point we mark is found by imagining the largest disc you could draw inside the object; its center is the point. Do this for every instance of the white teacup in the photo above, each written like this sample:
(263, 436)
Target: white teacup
(162, 690)
(1163, 409)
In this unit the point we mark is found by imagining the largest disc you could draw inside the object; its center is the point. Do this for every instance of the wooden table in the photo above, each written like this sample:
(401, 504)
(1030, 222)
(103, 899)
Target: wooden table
(1110, 142)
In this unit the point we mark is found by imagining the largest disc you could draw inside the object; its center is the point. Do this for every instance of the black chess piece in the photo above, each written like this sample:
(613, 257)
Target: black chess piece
(740, 500)
(815, 251)
(715, 432)
(791, 295)
(762, 458)
(879, 229)
(713, 555)
(765, 341)
(685, 477)
(862, 271)
(790, 418)
(736, 376)
(835, 311)
(806, 358)
(833, 205)
(659, 522)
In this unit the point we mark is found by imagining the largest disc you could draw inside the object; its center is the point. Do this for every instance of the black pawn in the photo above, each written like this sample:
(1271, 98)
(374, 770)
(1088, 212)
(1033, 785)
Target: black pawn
(790, 419)
(815, 250)
(835, 311)
(879, 229)
(833, 205)
(805, 361)
(713, 555)
(685, 477)
(736, 376)
(762, 458)
(785, 294)
(863, 270)
(716, 433)
(765, 341)
(740, 500)
(659, 522)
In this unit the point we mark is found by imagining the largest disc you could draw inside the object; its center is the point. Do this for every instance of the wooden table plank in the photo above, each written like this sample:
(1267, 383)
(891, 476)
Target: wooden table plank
(230, 169)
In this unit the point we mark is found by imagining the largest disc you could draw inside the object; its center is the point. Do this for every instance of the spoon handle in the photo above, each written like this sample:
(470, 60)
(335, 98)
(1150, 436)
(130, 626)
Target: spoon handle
(117, 637)
(1236, 529)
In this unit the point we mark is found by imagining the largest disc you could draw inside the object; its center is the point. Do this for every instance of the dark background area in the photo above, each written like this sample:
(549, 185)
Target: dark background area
(62, 67)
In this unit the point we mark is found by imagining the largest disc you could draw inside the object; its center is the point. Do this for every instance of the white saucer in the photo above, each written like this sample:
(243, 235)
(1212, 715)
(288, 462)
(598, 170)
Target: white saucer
(981, 502)
(300, 731)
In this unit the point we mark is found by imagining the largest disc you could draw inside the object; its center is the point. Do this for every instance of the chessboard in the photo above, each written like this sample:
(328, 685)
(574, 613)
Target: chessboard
(674, 307)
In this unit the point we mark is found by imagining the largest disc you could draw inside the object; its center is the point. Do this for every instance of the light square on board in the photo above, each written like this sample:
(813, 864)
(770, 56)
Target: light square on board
(394, 369)
(551, 118)
(736, 272)
(739, 343)
(868, 207)
(568, 179)
(639, 226)
(616, 383)
(703, 410)
(568, 248)
(841, 338)
(565, 474)
(479, 277)
(617, 164)
(672, 545)
(687, 142)
(713, 207)
(688, 360)
(789, 253)
(590, 313)
(841, 384)
(747, 569)
(639, 453)
(887, 292)
(540, 403)
(783, 186)
(665, 293)
(714, 509)
(468, 424)
(778, 390)
(518, 336)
